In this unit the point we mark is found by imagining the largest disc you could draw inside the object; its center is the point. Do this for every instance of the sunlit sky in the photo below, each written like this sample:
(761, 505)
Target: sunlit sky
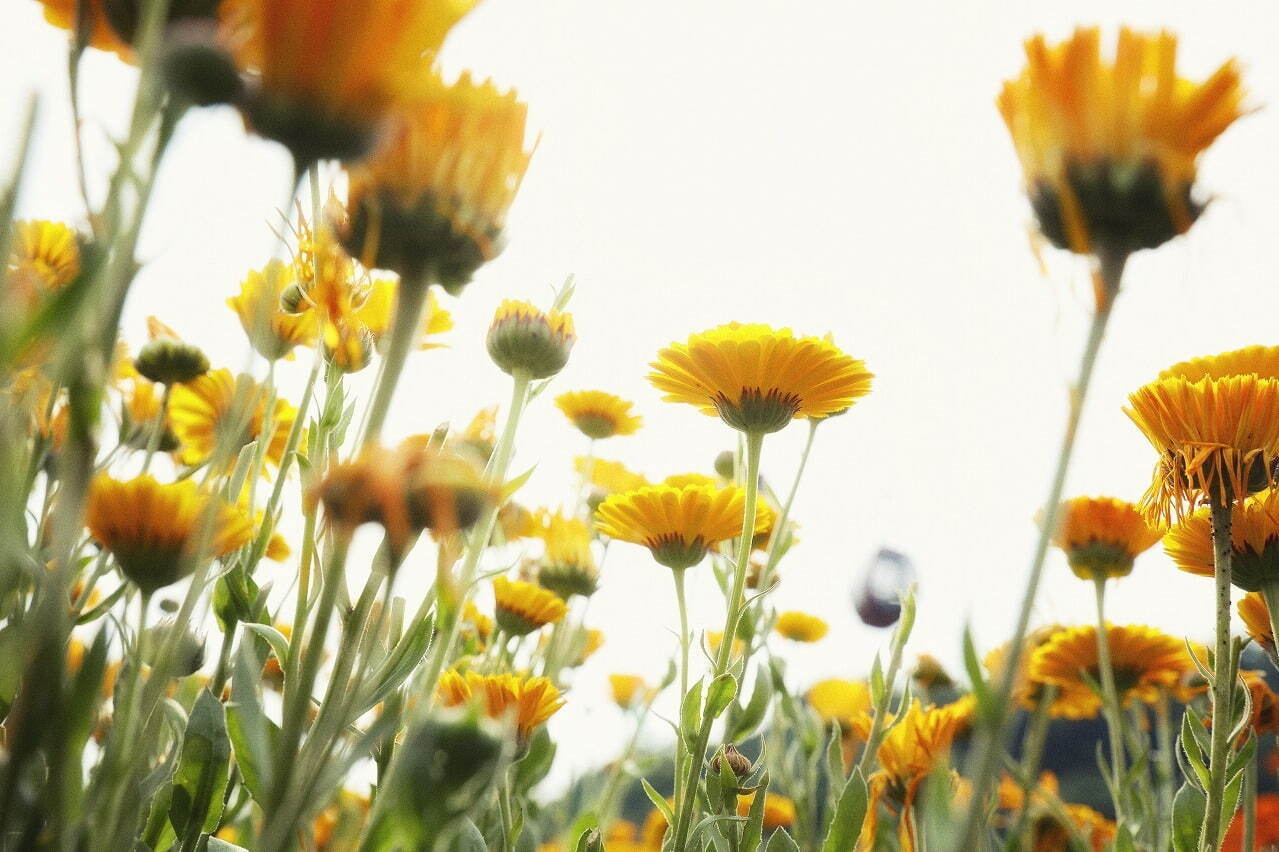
(829, 166)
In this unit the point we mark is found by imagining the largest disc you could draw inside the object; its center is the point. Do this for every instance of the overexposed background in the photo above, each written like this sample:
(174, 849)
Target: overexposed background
(825, 165)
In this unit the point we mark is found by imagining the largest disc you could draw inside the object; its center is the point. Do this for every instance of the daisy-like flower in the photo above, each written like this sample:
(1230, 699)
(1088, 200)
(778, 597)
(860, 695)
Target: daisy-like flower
(1254, 540)
(1143, 658)
(526, 701)
(44, 256)
(1049, 834)
(477, 623)
(609, 477)
(598, 414)
(155, 530)
(677, 525)
(1109, 148)
(800, 626)
(839, 701)
(1256, 620)
(1028, 690)
(525, 339)
(779, 811)
(271, 330)
(378, 309)
(1102, 536)
(433, 200)
(524, 607)
(627, 689)
(308, 90)
(757, 378)
(1215, 423)
(568, 566)
(202, 415)
(679, 480)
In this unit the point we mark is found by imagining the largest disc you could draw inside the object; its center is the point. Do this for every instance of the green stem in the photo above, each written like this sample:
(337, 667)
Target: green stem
(1032, 754)
(605, 808)
(409, 303)
(989, 745)
(1163, 767)
(1110, 697)
(158, 428)
(1222, 675)
(754, 447)
(682, 603)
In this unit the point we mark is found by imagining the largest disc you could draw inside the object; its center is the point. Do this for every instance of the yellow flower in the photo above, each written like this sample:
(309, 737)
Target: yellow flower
(1216, 430)
(1049, 835)
(609, 476)
(587, 642)
(568, 566)
(376, 313)
(840, 701)
(715, 637)
(334, 290)
(916, 744)
(433, 200)
(1102, 536)
(44, 256)
(526, 701)
(479, 623)
(272, 331)
(1256, 619)
(1027, 690)
(523, 607)
(598, 414)
(1109, 148)
(155, 531)
(800, 626)
(63, 13)
(678, 525)
(1143, 658)
(679, 480)
(524, 339)
(757, 378)
(779, 811)
(329, 74)
(202, 415)
(1254, 537)
(627, 689)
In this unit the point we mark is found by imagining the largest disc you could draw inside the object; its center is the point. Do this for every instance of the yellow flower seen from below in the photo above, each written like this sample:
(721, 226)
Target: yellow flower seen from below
(567, 566)
(598, 414)
(1254, 538)
(378, 309)
(1256, 620)
(155, 530)
(273, 332)
(800, 626)
(524, 607)
(627, 689)
(917, 743)
(677, 525)
(526, 701)
(43, 257)
(1102, 536)
(63, 14)
(779, 811)
(610, 477)
(523, 339)
(203, 415)
(1109, 147)
(839, 701)
(757, 378)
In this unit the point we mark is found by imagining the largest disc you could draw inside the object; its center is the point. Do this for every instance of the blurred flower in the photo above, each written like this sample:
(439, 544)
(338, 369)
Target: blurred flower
(800, 626)
(43, 257)
(1256, 619)
(1267, 836)
(156, 532)
(273, 331)
(679, 480)
(1102, 536)
(477, 623)
(202, 411)
(610, 477)
(378, 309)
(63, 14)
(1215, 423)
(779, 811)
(1049, 835)
(523, 607)
(433, 199)
(567, 567)
(839, 701)
(1109, 149)
(715, 637)
(481, 433)
(1254, 539)
(529, 701)
(627, 689)
(930, 674)
(524, 339)
(585, 644)
(598, 414)
(340, 822)
(1027, 689)
(757, 378)
(677, 525)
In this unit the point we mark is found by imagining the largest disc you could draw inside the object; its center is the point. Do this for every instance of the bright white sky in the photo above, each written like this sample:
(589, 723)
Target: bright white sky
(829, 166)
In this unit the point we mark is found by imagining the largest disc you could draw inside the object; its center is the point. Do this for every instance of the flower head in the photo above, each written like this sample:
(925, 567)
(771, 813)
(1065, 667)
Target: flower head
(524, 339)
(568, 566)
(598, 414)
(44, 256)
(800, 626)
(273, 331)
(524, 607)
(376, 313)
(779, 811)
(610, 477)
(1255, 613)
(526, 701)
(63, 14)
(156, 531)
(917, 743)
(678, 525)
(1109, 147)
(840, 701)
(1254, 539)
(434, 198)
(203, 415)
(757, 378)
(627, 689)
(1102, 536)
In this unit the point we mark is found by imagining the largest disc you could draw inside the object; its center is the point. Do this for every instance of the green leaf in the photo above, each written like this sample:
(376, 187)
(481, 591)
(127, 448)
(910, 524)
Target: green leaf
(1187, 816)
(782, 842)
(877, 681)
(202, 770)
(590, 841)
(658, 801)
(850, 812)
(279, 644)
(690, 717)
(977, 676)
(534, 766)
(834, 767)
(754, 833)
(253, 736)
(742, 726)
(721, 692)
(216, 845)
(467, 838)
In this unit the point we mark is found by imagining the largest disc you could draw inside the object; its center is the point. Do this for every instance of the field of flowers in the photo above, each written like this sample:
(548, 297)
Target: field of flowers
(160, 689)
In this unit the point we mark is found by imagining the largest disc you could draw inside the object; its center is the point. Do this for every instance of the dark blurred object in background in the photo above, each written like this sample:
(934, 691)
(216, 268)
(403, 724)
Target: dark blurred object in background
(878, 601)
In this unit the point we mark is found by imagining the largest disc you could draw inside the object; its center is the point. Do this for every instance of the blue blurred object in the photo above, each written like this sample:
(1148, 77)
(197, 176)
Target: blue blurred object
(878, 601)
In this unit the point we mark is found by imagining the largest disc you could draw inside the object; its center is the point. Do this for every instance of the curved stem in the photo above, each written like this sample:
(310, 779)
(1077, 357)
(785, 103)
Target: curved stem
(754, 447)
(1222, 675)
(989, 746)
(409, 303)
(1110, 697)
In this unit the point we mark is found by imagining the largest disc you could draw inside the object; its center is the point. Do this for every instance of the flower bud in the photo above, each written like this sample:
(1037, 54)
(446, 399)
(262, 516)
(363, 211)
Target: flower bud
(523, 339)
(738, 762)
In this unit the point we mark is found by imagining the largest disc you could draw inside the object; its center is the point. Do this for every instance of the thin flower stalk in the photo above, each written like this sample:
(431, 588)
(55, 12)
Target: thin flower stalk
(1223, 675)
(1110, 703)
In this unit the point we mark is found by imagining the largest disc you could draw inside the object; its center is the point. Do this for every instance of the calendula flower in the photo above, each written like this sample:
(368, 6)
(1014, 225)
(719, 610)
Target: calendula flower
(44, 257)
(610, 477)
(757, 378)
(839, 701)
(527, 701)
(333, 289)
(800, 626)
(1102, 536)
(929, 673)
(434, 199)
(1028, 690)
(1216, 430)
(1050, 835)
(378, 309)
(156, 531)
(477, 622)
(524, 339)
(1256, 620)
(64, 15)
(308, 92)
(679, 480)
(779, 811)
(141, 401)
(585, 644)
(272, 331)
(1254, 543)
(598, 414)
(203, 413)
(1267, 826)
(524, 607)
(1109, 148)
(677, 525)
(627, 689)
(1143, 659)
(568, 566)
